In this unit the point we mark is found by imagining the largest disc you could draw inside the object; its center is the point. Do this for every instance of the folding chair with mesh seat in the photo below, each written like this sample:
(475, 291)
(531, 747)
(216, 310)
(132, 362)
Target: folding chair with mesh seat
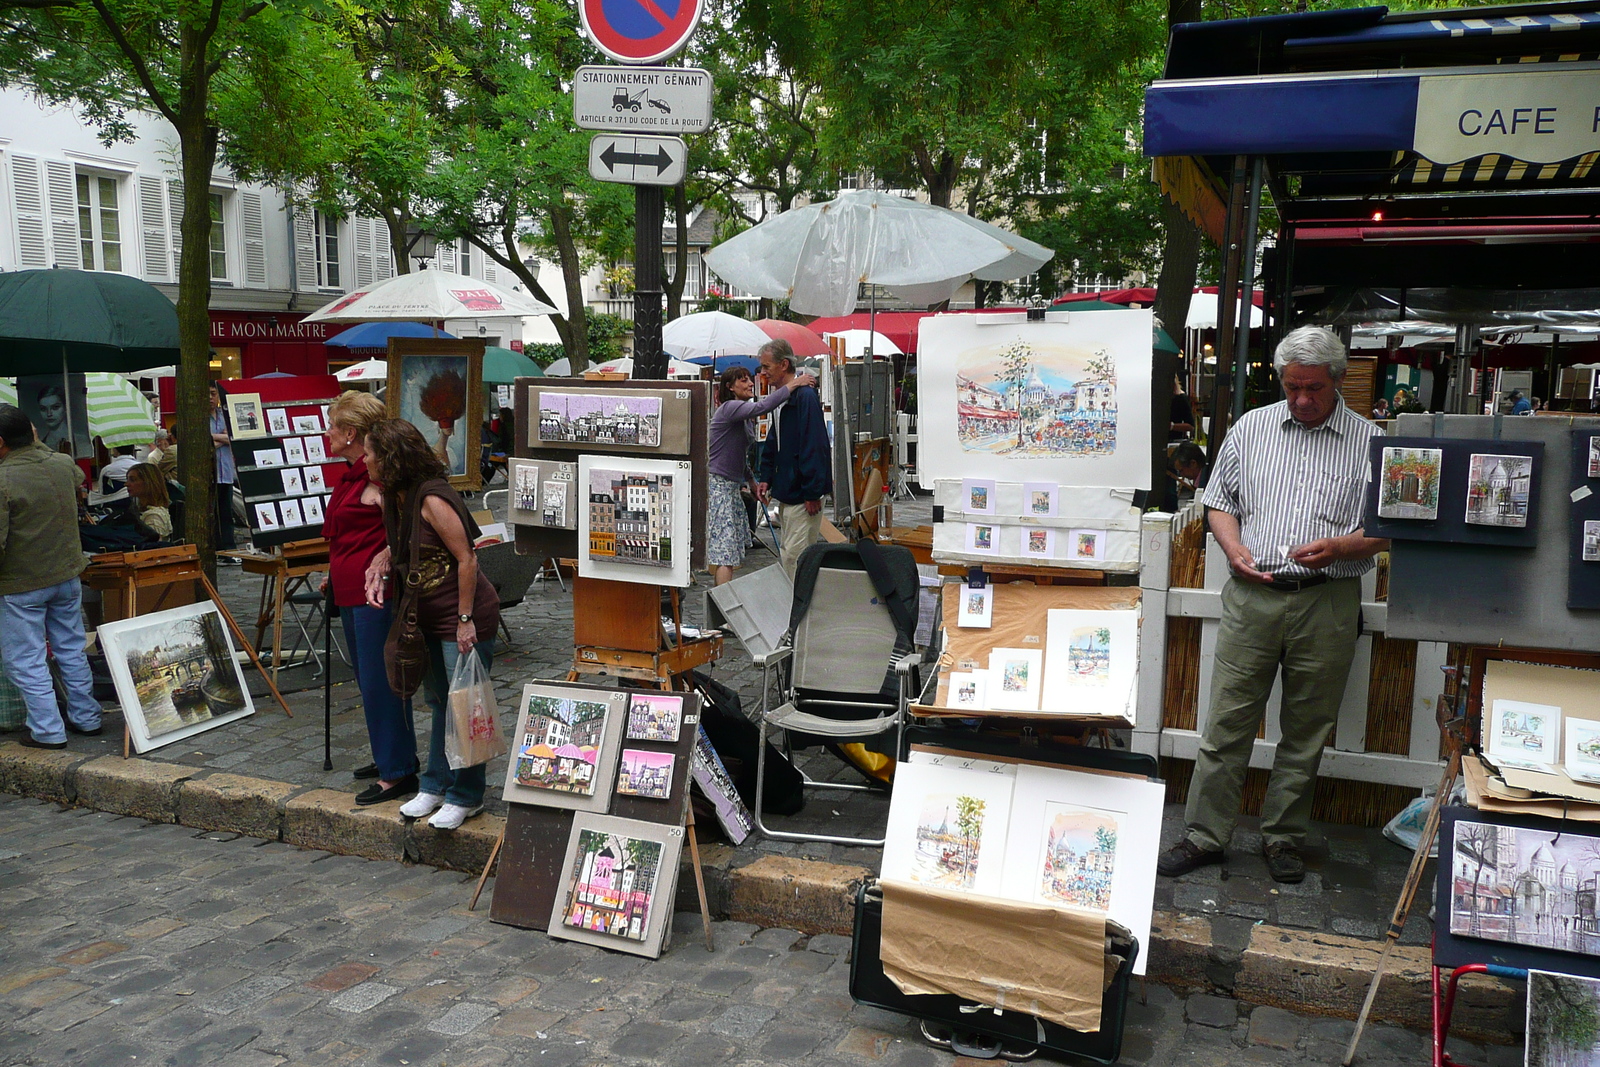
(848, 669)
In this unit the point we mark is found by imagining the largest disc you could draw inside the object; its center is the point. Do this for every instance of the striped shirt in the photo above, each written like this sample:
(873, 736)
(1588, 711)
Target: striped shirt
(1288, 485)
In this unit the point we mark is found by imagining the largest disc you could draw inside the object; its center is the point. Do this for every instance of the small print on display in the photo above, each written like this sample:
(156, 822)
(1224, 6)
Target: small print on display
(245, 417)
(1583, 750)
(560, 744)
(645, 774)
(1039, 542)
(314, 482)
(1497, 490)
(968, 690)
(268, 457)
(1591, 541)
(267, 516)
(981, 537)
(630, 518)
(292, 482)
(1409, 483)
(654, 717)
(295, 450)
(277, 422)
(600, 420)
(712, 776)
(525, 488)
(306, 424)
(1594, 457)
(312, 506)
(290, 510)
(1522, 734)
(977, 496)
(977, 607)
(554, 510)
(1088, 544)
(1080, 855)
(1039, 499)
(1014, 678)
(947, 826)
(613, 885)
(314, 450)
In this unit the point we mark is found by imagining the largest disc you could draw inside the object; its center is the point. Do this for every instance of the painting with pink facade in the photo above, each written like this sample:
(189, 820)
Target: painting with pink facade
(613, 885)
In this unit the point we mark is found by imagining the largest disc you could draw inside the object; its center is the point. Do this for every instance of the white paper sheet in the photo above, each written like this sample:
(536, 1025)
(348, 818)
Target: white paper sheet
(1091, 661)
(947, 827)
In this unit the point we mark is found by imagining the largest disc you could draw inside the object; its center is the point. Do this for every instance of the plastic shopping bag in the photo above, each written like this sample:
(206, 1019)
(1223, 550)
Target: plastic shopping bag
(473, 736)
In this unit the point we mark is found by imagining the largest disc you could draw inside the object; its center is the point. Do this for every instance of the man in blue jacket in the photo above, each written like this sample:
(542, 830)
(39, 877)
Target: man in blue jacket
(796, 459)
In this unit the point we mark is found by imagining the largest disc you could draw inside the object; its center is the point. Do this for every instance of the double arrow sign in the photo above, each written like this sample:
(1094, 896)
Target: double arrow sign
(637, 159)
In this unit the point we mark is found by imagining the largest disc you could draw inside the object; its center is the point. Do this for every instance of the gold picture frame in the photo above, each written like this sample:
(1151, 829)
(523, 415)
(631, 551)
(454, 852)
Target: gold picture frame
(246, 417)
(423, 372)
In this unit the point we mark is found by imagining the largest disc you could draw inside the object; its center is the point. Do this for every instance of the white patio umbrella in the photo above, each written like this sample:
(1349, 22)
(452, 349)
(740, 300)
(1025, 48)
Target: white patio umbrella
(1203, 313)
(816, 257)
(676, 368)
(368, 370)
(561, 368)
(855, 343)
(711, 333)
(427, 295)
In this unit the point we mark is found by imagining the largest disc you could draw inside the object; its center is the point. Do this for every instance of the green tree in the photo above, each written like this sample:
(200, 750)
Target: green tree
(191, 62)
(969, 820)
(1016, 366)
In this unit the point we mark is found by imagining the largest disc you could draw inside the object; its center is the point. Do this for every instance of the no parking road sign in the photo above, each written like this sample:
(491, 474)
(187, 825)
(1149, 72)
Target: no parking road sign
(637, 160)
(640, 31)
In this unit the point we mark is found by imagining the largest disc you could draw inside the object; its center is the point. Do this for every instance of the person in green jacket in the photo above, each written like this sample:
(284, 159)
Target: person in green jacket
(40, 596)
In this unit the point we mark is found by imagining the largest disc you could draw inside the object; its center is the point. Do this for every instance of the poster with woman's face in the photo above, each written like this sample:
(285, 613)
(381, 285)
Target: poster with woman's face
(52, 402)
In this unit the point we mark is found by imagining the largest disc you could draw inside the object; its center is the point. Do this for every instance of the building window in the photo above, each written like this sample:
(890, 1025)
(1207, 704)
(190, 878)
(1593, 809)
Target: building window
(99, 225)
(219, 241)
(326, 230)
(464, 256)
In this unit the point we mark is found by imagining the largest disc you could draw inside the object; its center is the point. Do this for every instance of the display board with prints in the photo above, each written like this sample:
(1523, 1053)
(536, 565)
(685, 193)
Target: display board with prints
(281, 454)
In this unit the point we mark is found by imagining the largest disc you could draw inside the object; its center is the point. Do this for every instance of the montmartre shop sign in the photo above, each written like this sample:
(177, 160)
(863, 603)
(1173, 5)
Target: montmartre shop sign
(229, 328)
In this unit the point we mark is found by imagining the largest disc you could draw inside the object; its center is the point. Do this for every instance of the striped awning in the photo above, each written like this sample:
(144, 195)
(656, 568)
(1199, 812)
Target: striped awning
(118, 413)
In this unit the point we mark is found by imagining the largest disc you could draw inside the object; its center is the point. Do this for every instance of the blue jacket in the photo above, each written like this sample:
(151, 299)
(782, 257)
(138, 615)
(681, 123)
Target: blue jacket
(797, 457)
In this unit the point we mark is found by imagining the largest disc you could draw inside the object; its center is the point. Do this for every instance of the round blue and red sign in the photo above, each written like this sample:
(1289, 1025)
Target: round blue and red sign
(640, 31)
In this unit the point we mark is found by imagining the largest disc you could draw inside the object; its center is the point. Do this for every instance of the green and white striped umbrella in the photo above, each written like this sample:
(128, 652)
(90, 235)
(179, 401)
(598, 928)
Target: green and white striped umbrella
(118, 413)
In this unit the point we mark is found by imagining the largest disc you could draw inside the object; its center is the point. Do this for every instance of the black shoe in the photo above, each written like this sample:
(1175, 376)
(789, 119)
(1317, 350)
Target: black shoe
(27, 741)
(1184, 857)
(377, 794)
(1284, 863)
(369, 771)
(74, 728)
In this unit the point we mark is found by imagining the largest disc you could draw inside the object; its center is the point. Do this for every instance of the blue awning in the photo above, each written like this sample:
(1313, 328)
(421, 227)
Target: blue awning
(1269, 116)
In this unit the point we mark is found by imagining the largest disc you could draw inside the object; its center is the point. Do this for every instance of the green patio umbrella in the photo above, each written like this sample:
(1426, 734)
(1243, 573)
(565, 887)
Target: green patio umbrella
(501, 366)
(1163, 341)
(78, 320)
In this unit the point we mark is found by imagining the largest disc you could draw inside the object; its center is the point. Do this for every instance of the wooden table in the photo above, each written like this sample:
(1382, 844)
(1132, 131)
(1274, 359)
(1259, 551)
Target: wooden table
(283, 573)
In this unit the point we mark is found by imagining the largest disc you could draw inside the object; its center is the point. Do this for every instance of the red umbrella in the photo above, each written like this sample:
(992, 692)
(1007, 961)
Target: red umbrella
(804, 342)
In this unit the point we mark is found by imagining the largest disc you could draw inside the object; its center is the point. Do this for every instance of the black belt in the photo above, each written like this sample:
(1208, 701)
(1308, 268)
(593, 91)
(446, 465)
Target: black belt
(1295, 585)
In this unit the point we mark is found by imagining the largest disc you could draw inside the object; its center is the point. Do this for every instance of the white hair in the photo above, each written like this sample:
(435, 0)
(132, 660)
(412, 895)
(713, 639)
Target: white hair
(1312, 346)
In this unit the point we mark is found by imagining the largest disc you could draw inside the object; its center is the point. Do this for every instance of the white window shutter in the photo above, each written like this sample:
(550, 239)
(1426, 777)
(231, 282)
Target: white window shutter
(364, 255)
(65, 251)
(175, 214)
(305, 251)
(382, 251)
(445, 257)
(255, 241)
(33, 247)
(491, 270)
(153, 228)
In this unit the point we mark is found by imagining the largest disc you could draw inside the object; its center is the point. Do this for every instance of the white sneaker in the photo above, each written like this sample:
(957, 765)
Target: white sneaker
(453, 815)
(420, 805)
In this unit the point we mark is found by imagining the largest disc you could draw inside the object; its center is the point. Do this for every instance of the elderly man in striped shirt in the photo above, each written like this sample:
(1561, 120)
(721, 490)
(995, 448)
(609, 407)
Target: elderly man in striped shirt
(1284, 503)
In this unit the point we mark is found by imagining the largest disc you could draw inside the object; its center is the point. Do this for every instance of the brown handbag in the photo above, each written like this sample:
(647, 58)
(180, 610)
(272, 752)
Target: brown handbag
(405, 653)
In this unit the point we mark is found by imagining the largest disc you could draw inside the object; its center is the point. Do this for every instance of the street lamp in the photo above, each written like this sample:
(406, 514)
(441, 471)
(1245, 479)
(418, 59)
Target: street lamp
(421, 244)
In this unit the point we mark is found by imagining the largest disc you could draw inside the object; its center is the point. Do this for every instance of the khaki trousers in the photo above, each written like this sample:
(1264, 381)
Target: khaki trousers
(800, 532)
(1311, 635)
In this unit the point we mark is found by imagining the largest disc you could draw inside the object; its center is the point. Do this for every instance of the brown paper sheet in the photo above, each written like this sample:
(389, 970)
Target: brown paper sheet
(1485, 793)
(1019, 616)
(1039, 960)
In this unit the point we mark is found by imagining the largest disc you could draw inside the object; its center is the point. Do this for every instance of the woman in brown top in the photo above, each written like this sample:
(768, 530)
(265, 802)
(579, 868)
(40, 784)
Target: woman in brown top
(458, 608)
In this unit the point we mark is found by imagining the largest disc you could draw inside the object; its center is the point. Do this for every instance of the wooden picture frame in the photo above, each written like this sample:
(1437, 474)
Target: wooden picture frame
(422, 390)
(246, 417)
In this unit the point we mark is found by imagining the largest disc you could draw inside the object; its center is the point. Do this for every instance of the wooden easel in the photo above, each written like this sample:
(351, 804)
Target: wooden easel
(620, 609)
(295, 563)
(162, 567)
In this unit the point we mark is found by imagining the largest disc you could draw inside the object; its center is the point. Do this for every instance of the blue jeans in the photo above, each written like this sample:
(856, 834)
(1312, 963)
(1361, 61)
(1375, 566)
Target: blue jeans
(466, 786)
(390, 727)
(28, 620)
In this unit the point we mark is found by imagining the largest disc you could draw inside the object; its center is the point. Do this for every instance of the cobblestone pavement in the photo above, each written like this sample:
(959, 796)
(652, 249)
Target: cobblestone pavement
(129, 943)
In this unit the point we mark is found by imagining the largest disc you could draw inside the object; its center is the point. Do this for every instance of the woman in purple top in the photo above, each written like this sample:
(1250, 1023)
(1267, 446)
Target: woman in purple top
(732, 431)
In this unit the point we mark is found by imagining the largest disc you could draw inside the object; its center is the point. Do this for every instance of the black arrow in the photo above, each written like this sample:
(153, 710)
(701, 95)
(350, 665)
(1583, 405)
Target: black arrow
(661, 160)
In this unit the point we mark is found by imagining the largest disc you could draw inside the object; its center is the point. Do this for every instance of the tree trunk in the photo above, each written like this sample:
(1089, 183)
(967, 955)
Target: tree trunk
(1180, 259)
(396, 219)
(197, 146)
(576, 336)
(673, 286)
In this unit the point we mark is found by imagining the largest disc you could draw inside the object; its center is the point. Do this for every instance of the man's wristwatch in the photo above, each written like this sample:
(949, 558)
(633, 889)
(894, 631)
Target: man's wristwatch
(464, 618)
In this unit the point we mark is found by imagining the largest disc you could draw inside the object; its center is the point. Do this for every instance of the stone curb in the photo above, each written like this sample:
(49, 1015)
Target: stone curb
(1299, 970)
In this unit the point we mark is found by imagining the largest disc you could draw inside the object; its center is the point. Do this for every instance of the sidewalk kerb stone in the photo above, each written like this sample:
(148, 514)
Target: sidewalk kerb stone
(805, 895)
(31, 772)
(144, 788)
(332, 821)
(235, 803)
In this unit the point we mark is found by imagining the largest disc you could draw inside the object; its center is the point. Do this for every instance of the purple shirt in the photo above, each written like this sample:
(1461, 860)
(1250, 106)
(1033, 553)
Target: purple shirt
(733, 429)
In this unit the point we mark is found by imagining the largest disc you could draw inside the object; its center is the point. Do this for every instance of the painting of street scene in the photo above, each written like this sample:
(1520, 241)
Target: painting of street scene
(630, 518)
(646, 774)
(560, 744)
(613, 885)
(1023, 399)
(1089, 655)
(1563, 1020)
(1080, 855)
(1497, 490)
(1522, 734)
(1525, 887)
(949, 838)
(583, 418)
(175, 673)
(1408, 487)
(654, 716)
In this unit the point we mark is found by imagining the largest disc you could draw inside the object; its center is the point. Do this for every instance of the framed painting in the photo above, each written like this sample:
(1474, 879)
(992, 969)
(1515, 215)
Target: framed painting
(634, 521)
(437, 386)
(58, 407)
(564, 751)
(947, 826)
(618, 881)
(1091, 661)
(246, 418)
(176, 674)
(711, 777)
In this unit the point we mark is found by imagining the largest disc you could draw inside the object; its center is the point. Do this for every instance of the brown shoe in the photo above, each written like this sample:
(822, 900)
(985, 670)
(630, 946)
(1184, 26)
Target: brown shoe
(1184, 857)
(1284, 863)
